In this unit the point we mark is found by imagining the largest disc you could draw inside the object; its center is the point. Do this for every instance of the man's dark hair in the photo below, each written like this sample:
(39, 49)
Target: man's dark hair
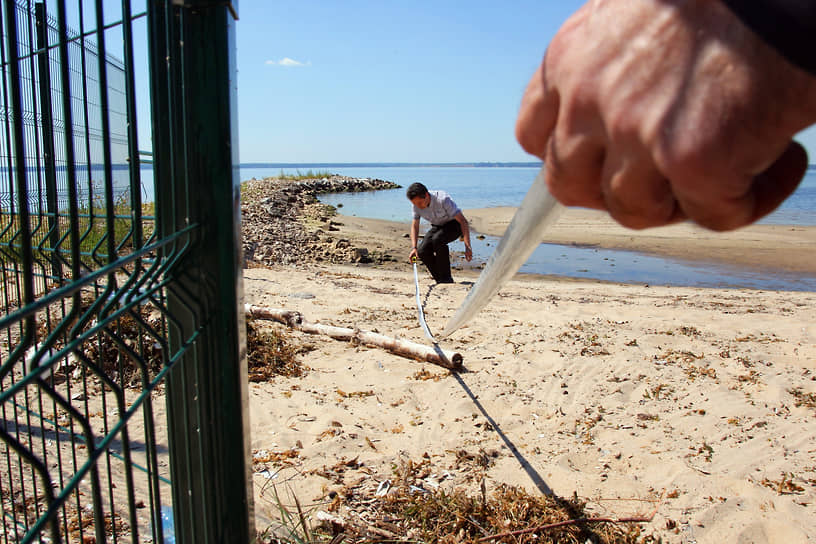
(415, 190)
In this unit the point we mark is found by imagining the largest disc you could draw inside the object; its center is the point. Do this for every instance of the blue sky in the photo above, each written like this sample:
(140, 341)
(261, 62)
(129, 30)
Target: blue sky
(364, 81)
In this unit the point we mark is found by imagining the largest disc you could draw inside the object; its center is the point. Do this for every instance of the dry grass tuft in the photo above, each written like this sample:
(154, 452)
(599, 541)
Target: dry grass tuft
(79, 524)
(411, 513)
(802, 398)
(125, 352)
(269, 354)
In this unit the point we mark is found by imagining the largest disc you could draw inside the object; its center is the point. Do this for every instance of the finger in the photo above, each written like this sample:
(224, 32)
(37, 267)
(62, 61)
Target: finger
(636, 193)
(537, 115)
(775, 184)
(574, 161)
(764, 193)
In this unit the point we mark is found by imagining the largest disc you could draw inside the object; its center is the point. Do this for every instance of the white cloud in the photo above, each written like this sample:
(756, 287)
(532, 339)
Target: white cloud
(287, 62)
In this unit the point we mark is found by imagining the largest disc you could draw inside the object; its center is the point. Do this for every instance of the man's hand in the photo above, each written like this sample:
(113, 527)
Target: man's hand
(662, 110)
(468, 253)
(414, 234)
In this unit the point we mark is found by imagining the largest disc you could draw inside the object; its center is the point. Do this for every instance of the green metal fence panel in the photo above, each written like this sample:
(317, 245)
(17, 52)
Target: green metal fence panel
(119, 277)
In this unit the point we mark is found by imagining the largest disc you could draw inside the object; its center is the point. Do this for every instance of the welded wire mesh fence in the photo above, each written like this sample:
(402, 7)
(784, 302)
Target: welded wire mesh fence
(91, 320)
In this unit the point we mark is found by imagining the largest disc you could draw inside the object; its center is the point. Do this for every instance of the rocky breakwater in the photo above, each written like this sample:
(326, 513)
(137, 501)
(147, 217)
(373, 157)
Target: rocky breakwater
(284, 223)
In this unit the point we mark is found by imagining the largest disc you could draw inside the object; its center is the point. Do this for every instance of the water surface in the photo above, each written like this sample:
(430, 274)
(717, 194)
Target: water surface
(485, 187)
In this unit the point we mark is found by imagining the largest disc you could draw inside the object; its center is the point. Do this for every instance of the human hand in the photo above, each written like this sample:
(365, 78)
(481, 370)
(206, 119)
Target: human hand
(468, 253)
(658, 111)
(412, 256)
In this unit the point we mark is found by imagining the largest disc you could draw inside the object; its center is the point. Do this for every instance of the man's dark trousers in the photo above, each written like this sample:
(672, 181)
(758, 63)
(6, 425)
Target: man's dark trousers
(433, 250)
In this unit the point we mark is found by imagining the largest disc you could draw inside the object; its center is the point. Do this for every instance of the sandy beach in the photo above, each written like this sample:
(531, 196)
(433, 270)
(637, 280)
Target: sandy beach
(621, 394)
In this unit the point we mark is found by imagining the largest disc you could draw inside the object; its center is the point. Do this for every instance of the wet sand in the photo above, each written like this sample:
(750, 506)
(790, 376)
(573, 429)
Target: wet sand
(783, 247)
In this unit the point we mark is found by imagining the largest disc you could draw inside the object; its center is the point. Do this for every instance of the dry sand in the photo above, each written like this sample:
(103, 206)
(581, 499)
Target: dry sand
(618, 393)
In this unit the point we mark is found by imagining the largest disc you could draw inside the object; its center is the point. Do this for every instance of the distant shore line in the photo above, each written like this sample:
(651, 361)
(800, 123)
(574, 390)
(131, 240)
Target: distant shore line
(145, 164)
(483, 164)
(392, 165)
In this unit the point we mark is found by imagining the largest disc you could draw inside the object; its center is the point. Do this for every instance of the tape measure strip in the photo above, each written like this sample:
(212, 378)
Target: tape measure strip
(419, 305)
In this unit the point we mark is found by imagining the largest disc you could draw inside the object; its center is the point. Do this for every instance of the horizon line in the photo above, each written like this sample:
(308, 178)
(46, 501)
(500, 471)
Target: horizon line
(385, 164)
(257, 164)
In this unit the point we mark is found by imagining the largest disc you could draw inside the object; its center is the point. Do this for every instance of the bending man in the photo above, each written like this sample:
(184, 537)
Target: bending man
(447, 224)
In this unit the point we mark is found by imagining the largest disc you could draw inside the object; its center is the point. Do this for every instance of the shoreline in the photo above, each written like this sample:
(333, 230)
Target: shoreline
(763, 248)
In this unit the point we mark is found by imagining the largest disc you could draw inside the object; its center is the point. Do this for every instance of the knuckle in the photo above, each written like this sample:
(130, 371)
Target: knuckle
(689, 161)
(529, 139)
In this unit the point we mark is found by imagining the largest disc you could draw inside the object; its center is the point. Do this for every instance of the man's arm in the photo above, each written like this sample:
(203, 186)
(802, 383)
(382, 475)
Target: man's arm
(465, 234)
(414, 238)
(788, 25)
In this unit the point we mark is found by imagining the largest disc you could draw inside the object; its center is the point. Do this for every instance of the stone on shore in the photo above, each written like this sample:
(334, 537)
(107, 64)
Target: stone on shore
(283, 222)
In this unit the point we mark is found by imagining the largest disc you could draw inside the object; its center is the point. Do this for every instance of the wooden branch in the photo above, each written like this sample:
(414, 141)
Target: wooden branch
(405, 348)
(634, 519)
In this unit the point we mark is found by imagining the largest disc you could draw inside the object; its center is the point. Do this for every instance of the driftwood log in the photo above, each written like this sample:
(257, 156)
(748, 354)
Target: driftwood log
(405, 348)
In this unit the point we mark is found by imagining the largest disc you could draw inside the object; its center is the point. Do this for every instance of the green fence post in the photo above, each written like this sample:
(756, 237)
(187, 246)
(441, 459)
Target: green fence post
(49, 165)
(195, 149)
